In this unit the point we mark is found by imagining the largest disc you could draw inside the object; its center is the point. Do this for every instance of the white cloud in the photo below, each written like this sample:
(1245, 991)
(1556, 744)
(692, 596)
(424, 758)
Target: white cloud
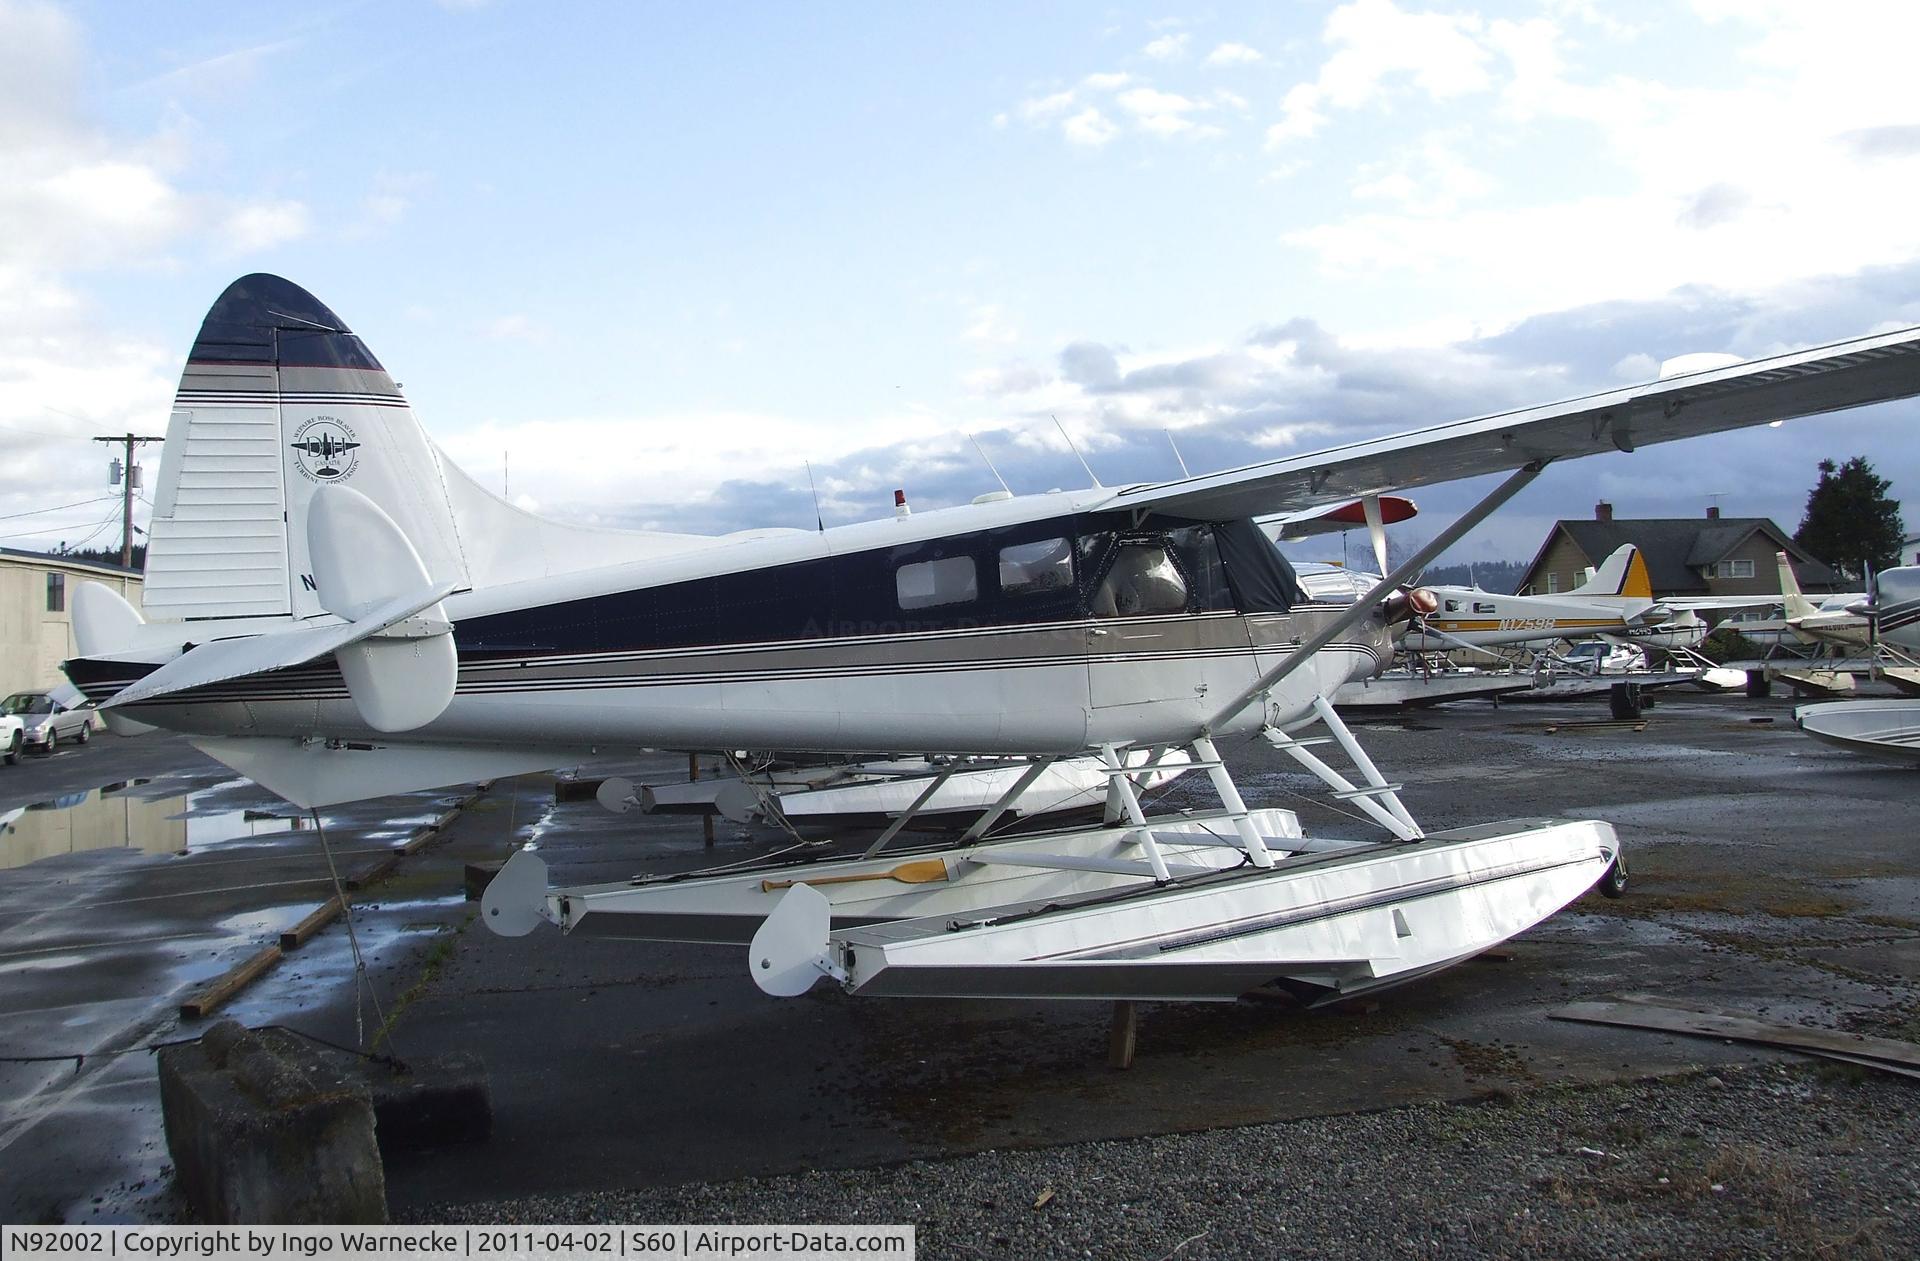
(388, 202)
(1107, 82)
(1430, 178)
(1377, 45)
(514, 327)
(1168, 47)
(1162, 113)
(1233, 55)
(263, 225)
(1685, 182)
(991, 324)
(1090, 127)
(222, 73)
(686, 456)
(1042, 108)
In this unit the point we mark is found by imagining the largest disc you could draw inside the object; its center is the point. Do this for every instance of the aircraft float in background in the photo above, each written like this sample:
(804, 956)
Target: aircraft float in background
(345, 621)
(1887, 729)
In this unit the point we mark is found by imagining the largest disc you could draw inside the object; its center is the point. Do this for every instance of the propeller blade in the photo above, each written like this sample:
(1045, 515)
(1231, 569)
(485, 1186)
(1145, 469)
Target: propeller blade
(1376, 529)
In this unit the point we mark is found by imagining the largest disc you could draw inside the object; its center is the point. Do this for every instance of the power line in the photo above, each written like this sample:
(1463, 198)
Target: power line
(55, 529)
(57, 508)
(40, 433)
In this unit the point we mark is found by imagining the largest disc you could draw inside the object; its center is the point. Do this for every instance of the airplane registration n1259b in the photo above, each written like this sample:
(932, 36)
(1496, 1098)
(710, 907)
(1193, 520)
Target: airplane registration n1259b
(338, 612)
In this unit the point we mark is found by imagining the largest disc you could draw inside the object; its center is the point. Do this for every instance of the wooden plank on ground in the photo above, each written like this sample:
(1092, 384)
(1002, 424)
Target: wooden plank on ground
(301, 933)
(1642, 1012)
(225, 987)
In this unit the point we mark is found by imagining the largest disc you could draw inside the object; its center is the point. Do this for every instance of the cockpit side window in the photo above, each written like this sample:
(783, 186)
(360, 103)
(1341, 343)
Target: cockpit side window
(1197, 549)
(1033, 568)
(1141, 580)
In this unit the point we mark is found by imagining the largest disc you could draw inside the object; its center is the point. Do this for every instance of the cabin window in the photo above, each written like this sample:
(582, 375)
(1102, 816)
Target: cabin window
(1141, 580)
(1199, 554)
(1031, 568)
(56, 593)
(1453, 606)
(931, 583)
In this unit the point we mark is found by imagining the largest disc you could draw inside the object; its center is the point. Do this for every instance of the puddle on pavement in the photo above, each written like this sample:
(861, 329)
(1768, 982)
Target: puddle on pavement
(145, 815)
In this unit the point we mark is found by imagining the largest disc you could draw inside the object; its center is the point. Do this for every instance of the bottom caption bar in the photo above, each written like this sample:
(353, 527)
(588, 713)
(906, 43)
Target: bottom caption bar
(493, 1243)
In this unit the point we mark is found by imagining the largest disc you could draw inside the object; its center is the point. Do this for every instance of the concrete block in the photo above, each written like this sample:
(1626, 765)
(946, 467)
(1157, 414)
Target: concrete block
(423, 1102)
(255, 1138)
(478, 876)
(565, 790)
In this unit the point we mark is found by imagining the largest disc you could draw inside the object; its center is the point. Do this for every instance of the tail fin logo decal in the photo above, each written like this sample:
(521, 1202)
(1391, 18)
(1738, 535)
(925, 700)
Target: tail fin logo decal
(327, 450)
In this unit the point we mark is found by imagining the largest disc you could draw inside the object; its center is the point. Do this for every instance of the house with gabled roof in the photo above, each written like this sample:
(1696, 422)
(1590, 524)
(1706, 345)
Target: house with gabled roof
(1686, 556)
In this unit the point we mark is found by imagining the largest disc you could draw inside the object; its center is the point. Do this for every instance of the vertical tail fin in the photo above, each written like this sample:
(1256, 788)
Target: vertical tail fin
(1624, 573)
(278, 399)
(1796, 605)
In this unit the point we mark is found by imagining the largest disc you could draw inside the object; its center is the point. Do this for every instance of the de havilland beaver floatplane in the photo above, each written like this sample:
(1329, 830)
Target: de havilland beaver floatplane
(335, 610)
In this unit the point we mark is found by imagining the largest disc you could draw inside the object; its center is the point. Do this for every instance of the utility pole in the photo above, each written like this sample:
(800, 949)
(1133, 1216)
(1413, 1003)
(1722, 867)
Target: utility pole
(129, 441)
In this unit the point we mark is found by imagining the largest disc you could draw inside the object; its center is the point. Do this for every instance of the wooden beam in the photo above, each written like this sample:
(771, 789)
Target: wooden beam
(1122, 1034)
(303, 932)
(225, 987)
(1636, 1011)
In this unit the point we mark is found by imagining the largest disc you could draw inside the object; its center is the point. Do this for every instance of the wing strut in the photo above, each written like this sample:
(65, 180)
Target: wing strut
(1408, 568)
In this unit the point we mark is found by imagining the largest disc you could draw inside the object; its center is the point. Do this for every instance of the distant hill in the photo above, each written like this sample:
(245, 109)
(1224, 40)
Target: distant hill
(1498, 576)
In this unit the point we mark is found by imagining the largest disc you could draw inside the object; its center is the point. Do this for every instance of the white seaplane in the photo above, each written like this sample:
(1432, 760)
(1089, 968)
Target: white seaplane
(1836, 621)
(340, 613)
(1888, 728)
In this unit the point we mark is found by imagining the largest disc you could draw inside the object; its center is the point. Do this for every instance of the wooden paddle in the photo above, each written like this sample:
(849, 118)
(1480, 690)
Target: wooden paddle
(926, 871)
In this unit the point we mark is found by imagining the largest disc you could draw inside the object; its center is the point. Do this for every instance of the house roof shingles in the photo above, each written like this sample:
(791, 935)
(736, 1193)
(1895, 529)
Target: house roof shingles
(1676, 548)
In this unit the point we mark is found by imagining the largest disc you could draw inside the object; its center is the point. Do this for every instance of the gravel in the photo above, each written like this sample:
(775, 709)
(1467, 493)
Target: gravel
(1770, 1161)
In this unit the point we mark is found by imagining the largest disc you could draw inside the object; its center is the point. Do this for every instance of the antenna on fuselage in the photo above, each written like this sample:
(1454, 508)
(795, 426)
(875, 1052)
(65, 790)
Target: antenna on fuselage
(989, 463)
(819, 522)
(1184, 471)
(1076, 450)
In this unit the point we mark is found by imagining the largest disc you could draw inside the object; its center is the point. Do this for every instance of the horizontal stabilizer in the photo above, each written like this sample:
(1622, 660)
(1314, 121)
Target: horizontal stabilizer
(359, 554)
(223, 659)
(104, 623)
(310, 774)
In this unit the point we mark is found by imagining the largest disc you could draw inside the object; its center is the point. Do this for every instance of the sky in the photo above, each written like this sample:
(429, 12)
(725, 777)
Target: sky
(643, 265)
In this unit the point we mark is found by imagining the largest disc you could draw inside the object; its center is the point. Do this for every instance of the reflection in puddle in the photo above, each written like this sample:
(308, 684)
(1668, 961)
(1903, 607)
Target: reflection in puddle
(140, 815)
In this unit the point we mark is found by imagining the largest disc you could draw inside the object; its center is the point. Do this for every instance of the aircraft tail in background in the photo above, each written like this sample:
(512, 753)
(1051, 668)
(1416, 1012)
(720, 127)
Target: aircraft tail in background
(1624, 573)
(1796, 604)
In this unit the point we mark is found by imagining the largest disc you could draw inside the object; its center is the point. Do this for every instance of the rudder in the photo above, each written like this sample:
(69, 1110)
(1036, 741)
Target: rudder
(278, 399)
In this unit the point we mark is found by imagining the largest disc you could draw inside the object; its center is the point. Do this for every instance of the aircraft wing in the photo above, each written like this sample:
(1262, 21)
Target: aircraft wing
(1725, 603)
(1806, 382)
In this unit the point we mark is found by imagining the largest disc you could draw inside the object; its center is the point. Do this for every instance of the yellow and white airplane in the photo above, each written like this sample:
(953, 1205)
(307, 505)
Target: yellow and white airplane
(1616, 599)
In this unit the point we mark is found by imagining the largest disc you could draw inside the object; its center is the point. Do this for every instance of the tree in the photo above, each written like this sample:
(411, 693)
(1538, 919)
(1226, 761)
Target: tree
(1850, 521)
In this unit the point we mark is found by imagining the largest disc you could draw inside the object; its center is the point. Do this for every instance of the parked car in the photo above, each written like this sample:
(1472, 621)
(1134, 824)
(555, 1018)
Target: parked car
(13, 734)
(45, 722)
(1596, 656)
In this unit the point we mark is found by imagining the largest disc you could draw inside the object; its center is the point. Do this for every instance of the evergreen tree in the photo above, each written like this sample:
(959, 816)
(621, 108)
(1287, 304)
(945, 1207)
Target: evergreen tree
(1850, 520)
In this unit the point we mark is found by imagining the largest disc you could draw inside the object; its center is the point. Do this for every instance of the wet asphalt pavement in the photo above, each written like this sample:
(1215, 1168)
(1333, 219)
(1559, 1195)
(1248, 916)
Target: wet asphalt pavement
(1771, 875)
